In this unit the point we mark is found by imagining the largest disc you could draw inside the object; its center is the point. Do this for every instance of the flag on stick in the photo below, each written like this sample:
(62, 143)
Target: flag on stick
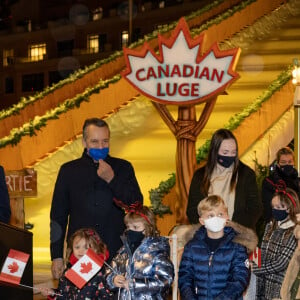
(85, 268)
(14, 266)
(255, 256)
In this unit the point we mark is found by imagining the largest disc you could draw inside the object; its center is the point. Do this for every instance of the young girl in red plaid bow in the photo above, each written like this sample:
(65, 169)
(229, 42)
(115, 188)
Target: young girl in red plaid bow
(278, 244)
(95, 289)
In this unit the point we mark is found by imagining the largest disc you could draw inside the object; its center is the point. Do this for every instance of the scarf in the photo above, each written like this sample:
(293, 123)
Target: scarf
(220, 185)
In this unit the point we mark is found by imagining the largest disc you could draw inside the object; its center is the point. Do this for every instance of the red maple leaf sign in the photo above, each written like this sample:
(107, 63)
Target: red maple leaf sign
(86, 267)
(13, 268)
(188, 78)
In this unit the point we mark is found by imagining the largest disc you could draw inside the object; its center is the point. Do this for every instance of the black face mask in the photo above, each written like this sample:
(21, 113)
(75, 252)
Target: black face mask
(134, 239)
(226, 161)
(288, 171)
(279, 215)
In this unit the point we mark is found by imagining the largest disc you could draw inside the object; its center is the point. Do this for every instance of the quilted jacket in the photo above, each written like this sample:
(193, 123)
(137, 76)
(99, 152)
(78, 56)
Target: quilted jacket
(149, 269)
(222, 274)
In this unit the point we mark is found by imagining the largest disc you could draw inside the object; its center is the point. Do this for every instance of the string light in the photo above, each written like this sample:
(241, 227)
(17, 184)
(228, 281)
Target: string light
(296, 72)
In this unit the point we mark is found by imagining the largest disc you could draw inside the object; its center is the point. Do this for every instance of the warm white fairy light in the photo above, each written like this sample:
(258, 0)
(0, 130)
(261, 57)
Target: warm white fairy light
(296, 72)
(296, 81)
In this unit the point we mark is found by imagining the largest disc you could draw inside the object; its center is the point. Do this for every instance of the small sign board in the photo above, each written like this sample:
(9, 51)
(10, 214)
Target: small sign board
(180, 74)
(21, 183)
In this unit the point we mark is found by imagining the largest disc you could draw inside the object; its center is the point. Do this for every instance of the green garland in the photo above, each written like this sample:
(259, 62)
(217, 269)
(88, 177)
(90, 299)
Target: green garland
(220, 18)
(16, 108)
(29, 128)
(38, 122)
(259, 29)
(237, 119)
(156, 194)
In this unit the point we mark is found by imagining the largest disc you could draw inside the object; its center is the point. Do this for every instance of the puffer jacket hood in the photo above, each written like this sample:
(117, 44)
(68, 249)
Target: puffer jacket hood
(219, 274)
(244, 235)
(229, 234)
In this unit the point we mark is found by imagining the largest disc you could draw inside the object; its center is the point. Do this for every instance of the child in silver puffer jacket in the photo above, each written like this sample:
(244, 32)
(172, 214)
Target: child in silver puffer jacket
(142, 268)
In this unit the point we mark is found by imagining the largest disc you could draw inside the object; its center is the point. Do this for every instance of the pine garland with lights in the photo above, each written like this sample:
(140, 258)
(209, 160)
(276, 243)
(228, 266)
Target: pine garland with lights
(157, 194)
(260, 29)
(38, 122)
(16, 108)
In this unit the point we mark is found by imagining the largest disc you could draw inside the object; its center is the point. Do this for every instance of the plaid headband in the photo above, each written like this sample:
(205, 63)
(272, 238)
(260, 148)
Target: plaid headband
(135, 208)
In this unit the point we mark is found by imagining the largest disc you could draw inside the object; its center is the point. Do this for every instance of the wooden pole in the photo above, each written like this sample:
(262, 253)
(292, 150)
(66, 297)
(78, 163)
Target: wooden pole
(17, 212)
(186, 129)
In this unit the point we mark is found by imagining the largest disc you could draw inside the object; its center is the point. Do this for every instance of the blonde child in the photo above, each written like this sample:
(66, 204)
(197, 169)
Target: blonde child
(95, 289)
(214, 264)
(142, 268)
(278, 244)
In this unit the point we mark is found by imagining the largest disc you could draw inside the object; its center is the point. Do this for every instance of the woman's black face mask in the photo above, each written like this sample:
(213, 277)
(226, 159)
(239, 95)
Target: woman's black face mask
(288, 171)
(226, 161)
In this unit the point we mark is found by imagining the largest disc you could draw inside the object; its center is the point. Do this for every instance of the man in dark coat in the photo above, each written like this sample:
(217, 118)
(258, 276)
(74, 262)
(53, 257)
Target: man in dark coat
(85, 190)
(4, 199)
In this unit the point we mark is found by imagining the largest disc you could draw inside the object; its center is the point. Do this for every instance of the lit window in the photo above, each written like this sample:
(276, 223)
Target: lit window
(37, 52)
(161, 4)
(8, 57)
(97, 13)
(125, 37)
(93, 43)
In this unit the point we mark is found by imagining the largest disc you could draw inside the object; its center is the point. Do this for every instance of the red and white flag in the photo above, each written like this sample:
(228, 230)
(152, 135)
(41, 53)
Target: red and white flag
(85, 268)
(14, 266)
(255, 256)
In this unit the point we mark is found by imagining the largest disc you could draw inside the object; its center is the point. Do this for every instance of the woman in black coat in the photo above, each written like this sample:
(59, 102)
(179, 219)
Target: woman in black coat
(225, 175)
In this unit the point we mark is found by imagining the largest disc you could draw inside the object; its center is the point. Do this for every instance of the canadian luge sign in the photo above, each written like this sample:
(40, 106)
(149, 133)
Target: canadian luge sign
(179, 74)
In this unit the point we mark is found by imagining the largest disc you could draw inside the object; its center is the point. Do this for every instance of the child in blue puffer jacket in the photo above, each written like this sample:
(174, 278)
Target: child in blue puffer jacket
(214, 263)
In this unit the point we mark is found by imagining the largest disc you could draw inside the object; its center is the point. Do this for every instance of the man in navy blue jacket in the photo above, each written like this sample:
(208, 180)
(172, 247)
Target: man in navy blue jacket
(85, 190)
(4, 199)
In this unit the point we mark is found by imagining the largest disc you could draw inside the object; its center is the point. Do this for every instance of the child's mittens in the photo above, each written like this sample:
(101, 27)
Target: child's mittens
(45, 291)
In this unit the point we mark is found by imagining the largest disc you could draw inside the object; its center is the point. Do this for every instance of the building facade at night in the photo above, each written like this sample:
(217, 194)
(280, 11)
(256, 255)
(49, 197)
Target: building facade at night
(43, 42)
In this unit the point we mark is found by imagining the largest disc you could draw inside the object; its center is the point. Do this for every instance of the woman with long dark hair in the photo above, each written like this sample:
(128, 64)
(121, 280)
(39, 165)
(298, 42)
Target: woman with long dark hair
(225, 175)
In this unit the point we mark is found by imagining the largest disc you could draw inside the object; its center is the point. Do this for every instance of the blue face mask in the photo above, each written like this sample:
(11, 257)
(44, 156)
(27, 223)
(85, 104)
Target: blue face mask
(279, 215)
(98, 154)
(226, 161)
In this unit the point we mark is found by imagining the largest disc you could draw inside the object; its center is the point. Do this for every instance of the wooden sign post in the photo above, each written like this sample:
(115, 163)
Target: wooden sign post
(20, 184)
(180, 74)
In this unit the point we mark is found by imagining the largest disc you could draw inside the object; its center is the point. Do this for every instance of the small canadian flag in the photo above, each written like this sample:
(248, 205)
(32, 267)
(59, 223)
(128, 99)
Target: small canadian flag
(14, 266)
(85, 268)
(255, 256)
